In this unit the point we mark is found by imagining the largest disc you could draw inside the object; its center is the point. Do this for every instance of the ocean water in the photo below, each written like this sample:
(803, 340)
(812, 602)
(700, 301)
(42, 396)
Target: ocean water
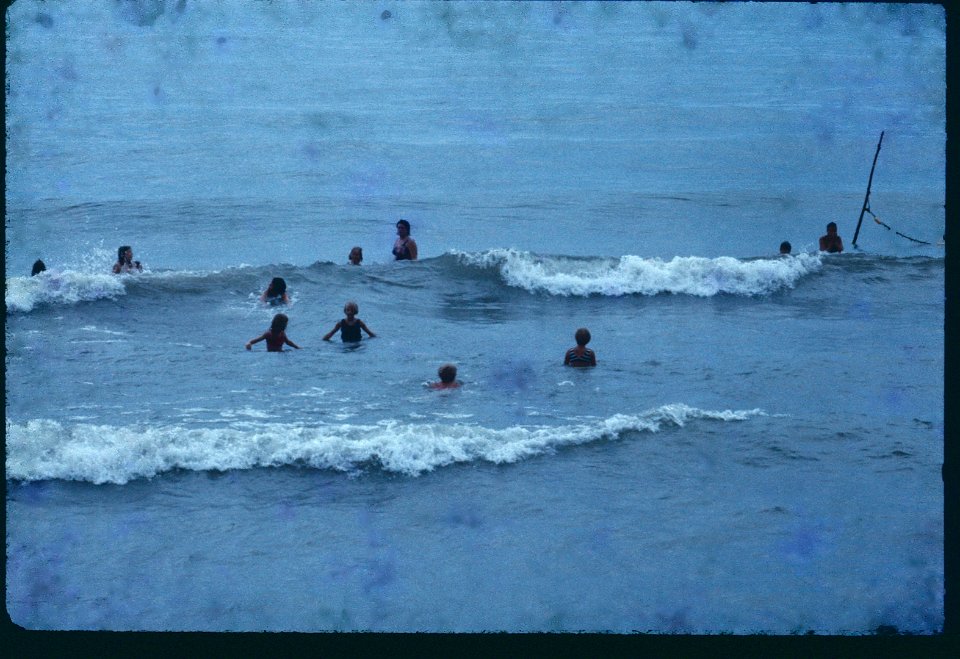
(758, 450)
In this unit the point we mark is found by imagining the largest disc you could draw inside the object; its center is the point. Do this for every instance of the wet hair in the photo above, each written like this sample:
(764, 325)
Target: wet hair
(279, 323)
(404, 223)
(785, 247)
(831, 225)
(38, 267)
(357, 249)
(121, 251)
(447, 373)
(351, 303)
(277, 287)
(582, 336)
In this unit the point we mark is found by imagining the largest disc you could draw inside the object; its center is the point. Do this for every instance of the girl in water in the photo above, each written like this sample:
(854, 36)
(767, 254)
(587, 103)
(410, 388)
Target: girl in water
(276, 336)
(125, 262)
(276, 292)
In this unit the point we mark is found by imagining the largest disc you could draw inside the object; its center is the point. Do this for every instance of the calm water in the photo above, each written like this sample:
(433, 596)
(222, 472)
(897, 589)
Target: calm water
(759, 448)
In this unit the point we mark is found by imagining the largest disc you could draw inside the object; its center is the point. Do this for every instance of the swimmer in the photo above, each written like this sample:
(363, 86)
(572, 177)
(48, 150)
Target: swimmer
(276, 336)
(38, 267)
(405, 247)
(276, 292)
(785, 247)
(448, 378)
(581, 355)
(350, 326)
(356, 256)
(831, 242)
(125, 262)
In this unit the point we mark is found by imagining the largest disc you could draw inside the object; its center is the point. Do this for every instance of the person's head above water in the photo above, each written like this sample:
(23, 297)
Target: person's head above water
(38, 267)
(403, 228)
(351, 308)
(582, 336)
(447, 373)
(124, 254)
(277, 287)
(831, 228)
(785, 247)
(279, 323)
(356, 255)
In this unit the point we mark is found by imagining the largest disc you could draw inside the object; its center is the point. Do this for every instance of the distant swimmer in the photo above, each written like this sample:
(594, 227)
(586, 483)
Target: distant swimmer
(276, 292)
(38, 267)
(580, 355)
(356, 256)
(276, 336)
(405, 247)
(350, 326)
(831, 242)
(125, 262)
(785, 247)
(448, 378)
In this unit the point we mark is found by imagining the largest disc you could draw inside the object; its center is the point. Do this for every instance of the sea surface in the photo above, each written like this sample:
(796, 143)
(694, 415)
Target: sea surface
(758, 450)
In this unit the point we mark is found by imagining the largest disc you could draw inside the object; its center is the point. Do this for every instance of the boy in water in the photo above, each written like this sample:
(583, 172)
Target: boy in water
(448, 378)
(831, 242)
(356, 256)
(276, 336)
(350, 326)
(581, 355)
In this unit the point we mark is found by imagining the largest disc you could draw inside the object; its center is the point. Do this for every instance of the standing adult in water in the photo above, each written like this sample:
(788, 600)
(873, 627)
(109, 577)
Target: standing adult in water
(125, 262)
(405, 247)
(831, 242)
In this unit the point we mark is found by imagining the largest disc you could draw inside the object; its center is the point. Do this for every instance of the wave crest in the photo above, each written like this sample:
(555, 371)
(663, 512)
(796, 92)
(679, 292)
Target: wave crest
(66, 287)
(634, 275)
(43, 449)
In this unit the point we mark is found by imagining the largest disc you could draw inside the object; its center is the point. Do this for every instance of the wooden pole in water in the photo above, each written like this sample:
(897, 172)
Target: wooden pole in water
(866, 199)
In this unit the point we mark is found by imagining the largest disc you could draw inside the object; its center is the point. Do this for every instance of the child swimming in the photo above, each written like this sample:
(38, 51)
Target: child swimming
(448, 378)
(276, 292)
(350, 326)
(580, 355)
(276, 336)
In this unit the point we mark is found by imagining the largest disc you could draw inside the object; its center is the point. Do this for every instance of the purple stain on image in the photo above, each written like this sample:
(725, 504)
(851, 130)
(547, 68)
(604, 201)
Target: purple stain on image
(514, 376)
(463, 517)
(676, 621)
(44, 19)
(221, 41)
(286, 511)
(312, 151)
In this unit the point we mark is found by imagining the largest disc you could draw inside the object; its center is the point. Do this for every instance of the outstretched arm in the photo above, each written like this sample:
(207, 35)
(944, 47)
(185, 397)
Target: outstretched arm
(256, 340)
(366, 329)
(291, 343)
(326, 337)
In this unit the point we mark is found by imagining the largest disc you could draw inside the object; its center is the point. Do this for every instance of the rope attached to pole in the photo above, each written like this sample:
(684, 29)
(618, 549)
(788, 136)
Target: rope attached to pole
(889, 228)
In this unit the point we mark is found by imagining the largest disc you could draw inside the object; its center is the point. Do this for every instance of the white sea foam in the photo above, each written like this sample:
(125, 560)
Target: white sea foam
(630, 275)
(66, 287)
(43, 449)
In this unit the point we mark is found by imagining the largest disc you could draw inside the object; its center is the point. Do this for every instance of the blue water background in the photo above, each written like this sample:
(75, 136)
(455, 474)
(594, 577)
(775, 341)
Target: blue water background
(756, 426)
